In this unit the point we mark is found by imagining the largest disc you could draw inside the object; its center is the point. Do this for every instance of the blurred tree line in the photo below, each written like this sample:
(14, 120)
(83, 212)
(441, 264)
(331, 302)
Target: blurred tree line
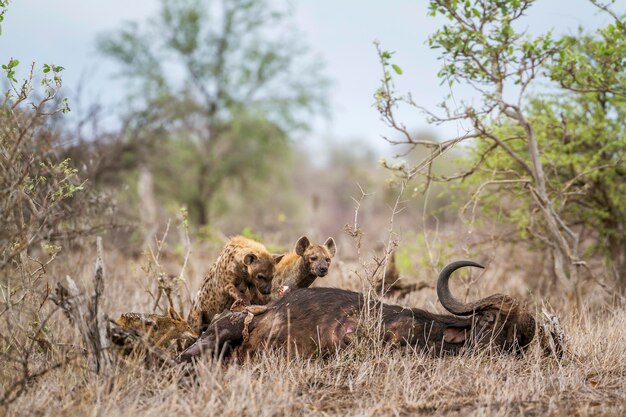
(217, 92)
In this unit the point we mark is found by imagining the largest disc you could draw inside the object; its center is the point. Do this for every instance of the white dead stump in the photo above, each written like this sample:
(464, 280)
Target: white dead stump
(100, 341)
(552, 338)
(87, 314)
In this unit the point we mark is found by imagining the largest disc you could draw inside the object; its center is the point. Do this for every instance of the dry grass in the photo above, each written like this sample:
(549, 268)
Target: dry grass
(365, 379)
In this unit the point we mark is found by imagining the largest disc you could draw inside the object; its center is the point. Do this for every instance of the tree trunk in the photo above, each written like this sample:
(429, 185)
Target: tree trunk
(201, 211)
(617, 262)
(201, 203)
(565, 253)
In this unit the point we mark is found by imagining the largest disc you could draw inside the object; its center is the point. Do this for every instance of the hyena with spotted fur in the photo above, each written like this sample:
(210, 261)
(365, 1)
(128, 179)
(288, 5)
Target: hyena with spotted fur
(304, 264)
(243, 267)
(300, 267)
(161, 328)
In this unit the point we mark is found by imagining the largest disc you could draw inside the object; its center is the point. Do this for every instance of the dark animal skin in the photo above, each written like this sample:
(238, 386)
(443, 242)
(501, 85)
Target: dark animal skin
(310, 321)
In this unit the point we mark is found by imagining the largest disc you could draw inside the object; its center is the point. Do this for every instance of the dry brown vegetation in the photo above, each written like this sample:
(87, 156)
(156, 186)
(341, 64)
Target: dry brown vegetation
(60, 190)
(365, 379)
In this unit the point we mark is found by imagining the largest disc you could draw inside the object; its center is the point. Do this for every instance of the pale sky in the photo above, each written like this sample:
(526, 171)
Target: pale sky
(340, 31)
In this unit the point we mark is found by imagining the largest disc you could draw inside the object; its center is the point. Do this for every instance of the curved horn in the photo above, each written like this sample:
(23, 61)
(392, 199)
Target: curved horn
(446, 298)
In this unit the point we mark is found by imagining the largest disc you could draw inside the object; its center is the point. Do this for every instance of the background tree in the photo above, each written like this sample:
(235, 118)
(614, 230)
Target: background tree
(550, 162)
(226, 78)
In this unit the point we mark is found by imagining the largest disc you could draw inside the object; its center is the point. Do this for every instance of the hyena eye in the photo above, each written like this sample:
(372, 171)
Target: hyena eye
(327, 259)
(313, 258)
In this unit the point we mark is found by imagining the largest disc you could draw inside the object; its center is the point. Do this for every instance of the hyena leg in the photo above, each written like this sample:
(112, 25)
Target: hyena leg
(239, 297)
(255, 310)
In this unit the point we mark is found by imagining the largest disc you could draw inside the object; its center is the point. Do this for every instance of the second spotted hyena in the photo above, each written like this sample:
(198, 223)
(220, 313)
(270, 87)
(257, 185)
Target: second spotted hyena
(300, 267)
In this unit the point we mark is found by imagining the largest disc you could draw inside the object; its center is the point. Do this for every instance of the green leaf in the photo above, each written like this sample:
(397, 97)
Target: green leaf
(397, 69)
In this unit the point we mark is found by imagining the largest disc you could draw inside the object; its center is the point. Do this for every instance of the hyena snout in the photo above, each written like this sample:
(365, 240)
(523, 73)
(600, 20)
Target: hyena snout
(320, 267)
(264, 284)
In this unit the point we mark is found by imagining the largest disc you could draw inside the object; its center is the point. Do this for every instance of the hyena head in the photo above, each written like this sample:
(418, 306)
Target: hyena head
(316, 257)
(260, 268)
(172, 327)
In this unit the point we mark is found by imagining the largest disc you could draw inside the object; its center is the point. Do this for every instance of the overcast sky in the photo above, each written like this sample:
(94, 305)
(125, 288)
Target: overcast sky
(339, 31)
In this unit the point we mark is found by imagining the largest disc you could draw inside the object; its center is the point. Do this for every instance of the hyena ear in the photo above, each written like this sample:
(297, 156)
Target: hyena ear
(174, 315)
(278, 257)
(330, 245)
(301, 245)
(249, 258)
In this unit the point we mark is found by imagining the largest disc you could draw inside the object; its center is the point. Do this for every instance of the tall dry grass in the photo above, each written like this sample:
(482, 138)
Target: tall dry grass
(365, 379)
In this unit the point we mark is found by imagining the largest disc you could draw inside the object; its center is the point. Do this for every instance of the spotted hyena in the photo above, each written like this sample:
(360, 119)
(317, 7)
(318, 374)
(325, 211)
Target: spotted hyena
(161, 328)
(242, 267)
(300, 267)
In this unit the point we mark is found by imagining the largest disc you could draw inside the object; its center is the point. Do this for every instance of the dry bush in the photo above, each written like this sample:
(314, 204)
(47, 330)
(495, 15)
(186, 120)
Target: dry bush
(44, 210)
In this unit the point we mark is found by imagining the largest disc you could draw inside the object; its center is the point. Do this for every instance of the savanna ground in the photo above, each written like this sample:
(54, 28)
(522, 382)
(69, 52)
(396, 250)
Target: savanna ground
(536, 192)
(365, 379)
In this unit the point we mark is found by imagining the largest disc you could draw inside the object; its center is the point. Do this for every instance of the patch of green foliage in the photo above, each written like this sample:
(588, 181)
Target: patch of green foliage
(549, 130)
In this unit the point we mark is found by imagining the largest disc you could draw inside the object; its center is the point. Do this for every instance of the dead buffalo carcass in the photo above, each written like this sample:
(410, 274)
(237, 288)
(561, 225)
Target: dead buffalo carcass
(317, 320)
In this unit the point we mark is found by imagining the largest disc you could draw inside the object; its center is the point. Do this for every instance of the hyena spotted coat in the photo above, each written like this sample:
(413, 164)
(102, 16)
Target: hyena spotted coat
(304, 264)
(162, 328)
(243, 267)
(300, 268)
